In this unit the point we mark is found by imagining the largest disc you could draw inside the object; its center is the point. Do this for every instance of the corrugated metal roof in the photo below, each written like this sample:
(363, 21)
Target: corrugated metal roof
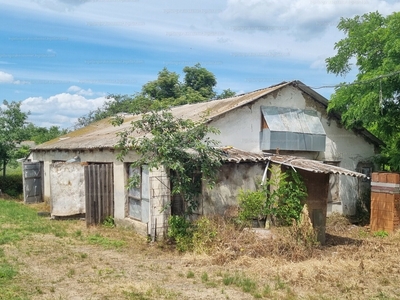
(232, 154)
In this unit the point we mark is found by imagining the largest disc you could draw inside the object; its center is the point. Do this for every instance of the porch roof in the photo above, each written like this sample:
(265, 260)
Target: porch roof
(232, 154)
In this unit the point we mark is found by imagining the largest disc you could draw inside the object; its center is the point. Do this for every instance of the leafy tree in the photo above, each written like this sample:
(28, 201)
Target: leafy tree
(12, 132)
(226, 94)
(179, 145)
(200, 80)
(166, 86)
(373, 42)
(164, 92)
(42, 134)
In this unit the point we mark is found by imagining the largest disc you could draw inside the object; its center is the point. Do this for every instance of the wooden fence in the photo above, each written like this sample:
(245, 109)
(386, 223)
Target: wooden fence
(99, 193)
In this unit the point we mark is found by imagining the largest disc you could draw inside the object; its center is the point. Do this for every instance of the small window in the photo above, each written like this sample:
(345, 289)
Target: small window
(139, 195)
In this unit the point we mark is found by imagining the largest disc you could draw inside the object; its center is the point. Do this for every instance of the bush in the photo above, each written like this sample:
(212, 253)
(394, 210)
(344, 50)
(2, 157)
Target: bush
(181, 231)
(11, 185)
(252, 205)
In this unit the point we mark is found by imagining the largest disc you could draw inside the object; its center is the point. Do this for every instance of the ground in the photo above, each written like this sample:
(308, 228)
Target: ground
(67, 260)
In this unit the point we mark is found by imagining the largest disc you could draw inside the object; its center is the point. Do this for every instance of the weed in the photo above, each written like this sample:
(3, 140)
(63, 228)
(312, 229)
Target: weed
(98, 239)
(381, 233)
(204, 277)
(266, 291)
(71, 273)
(7, 271)
(279, 284)
(109, 222)
(190, 274)
(246, 284)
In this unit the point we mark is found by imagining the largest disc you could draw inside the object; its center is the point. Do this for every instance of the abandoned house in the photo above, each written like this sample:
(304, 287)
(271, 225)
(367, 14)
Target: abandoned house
(286, 124)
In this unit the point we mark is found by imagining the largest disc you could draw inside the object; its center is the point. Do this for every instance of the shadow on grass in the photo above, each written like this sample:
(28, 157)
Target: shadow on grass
(335, 240)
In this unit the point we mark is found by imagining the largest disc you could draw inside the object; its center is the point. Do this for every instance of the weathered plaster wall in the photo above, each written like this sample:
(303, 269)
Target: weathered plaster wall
(232, 177)
(67, 187)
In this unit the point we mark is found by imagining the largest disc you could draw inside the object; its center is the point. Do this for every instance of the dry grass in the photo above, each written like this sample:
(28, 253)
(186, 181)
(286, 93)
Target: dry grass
(238, 264)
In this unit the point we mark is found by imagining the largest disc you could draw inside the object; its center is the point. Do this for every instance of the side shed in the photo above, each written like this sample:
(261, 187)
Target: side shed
(242, 169)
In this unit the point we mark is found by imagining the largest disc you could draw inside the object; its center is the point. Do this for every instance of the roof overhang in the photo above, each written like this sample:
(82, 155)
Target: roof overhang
(231, 154)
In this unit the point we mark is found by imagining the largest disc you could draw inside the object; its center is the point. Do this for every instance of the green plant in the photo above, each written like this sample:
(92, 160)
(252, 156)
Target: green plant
(381, 233)
(181, 231)
(178, 145)
(252, 205)
(279, 199)
(204, 234)
(109, 222)
(288, 197)
(190, 274)
(98, 239)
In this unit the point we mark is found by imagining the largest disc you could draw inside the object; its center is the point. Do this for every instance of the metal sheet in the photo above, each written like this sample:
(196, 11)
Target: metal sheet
(292, 129)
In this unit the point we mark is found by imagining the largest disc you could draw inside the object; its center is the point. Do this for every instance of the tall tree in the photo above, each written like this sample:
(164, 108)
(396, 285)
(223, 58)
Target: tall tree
(200, 80)
(372, 41)
(12, 121)
(164, 92)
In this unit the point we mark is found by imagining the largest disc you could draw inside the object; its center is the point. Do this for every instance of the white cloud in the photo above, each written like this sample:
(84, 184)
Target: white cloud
(8, 78)
(80, 91)
(306, 18)
(60, 110)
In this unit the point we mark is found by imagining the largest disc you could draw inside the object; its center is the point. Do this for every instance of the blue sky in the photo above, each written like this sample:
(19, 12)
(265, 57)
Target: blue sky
(62, 58)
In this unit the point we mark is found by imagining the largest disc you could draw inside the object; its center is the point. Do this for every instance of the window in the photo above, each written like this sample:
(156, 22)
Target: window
(139, 196)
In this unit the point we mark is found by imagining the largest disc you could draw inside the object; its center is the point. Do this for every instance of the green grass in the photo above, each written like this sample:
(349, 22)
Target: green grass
(17, 222)
(98, 239)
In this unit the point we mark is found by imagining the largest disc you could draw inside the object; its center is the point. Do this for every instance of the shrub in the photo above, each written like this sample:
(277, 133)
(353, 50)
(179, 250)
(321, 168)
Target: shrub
(252, 205)
(11, 185)
(181, 231)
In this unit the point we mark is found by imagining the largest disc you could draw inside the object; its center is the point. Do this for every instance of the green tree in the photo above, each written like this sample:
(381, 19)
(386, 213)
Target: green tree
(164, 92)
(372, 42)
(179, 145)
(166, 86)
(200, 80)
(42, 134)
(12, 121)
(226, 94)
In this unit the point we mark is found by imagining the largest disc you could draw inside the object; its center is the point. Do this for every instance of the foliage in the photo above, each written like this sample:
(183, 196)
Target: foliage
(372, 100)
(12, 185)
(181, 231)
(109, 222)
(12, 121)
(288, 198)
(42, 134)
(198, 236)
(179, 145)
(200, 80)
(204, 234)
(381, 233)
(164, 92)
(279, 199)
(253, 205)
